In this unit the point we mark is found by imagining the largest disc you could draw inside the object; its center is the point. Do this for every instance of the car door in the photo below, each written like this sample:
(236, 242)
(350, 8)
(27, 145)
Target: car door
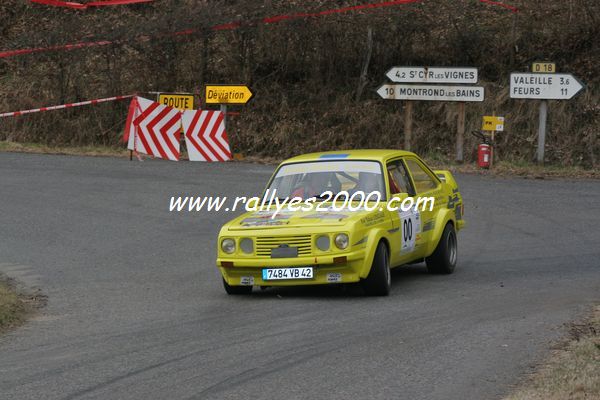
(403, 236)
(427, 186)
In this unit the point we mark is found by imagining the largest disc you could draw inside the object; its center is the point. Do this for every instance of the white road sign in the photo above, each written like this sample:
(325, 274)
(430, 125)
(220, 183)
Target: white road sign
(433, 74)
(431, 92)
(543, 86)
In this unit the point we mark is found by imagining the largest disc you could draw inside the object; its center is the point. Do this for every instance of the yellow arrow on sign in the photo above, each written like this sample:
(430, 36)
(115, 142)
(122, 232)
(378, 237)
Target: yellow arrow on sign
(227, 94)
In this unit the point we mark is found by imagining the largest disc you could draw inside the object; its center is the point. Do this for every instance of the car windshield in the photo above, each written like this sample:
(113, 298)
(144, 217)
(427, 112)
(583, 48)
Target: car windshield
(312, 179)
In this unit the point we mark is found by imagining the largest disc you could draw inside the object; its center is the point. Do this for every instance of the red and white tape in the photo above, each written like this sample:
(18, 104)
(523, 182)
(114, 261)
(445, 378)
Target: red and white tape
(232, 26)
(62, 106)
(81, 6)
(220, 27)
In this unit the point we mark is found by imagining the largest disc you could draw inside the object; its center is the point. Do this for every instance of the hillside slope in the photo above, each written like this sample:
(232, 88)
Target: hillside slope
(306, 73)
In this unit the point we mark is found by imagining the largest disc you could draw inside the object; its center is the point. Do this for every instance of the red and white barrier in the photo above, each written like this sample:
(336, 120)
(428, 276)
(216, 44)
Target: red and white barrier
(62, 106)
(205, 136)
(156, 129)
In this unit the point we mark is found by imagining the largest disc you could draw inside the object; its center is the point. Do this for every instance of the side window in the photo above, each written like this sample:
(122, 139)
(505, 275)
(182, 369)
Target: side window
(423, 181)
(398, 177)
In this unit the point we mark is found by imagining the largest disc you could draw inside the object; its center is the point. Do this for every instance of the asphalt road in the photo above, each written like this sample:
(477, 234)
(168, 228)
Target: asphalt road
(137, 311)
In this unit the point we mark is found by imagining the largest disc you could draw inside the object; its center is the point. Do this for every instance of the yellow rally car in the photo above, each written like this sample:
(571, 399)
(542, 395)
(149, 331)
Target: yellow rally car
(339, 235)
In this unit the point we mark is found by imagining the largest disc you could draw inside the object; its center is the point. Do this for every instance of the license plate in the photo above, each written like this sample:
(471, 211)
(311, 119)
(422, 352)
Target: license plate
(271, 274)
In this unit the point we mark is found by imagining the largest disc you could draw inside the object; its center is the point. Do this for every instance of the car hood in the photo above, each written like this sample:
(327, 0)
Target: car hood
(292, 219)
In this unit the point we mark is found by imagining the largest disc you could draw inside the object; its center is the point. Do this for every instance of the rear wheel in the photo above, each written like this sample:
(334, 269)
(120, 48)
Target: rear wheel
(379, 280)
(235, 290)
(443, 259)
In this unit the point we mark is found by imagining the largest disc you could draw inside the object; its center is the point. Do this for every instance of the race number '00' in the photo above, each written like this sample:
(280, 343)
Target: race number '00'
(410, 225)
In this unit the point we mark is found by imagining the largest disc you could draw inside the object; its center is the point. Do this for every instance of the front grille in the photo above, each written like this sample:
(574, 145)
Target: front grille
(265, 244)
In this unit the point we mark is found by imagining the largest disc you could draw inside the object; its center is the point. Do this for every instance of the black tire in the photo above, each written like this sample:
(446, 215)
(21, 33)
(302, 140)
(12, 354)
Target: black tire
(236, 290)
(379, 280)
(443, 259)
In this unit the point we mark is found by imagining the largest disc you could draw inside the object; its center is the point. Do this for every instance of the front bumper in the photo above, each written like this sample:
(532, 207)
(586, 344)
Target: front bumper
(325, 269)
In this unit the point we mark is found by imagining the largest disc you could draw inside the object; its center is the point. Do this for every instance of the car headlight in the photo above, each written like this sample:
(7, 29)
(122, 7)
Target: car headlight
(247, 245)
(228, 246)
(341, 241)
(323, 242)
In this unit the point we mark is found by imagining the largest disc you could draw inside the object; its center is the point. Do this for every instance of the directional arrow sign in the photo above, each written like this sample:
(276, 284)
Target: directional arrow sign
(543, 86)
(431, 92)
(433, 74)
(227, 94)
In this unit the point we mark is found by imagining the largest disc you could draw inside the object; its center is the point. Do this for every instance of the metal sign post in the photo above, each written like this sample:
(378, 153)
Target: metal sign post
(542, 131)
(223, 109)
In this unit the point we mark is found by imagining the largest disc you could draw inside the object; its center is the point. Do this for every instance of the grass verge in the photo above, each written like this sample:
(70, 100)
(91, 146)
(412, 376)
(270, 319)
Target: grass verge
(572, 371)
(13, 310)
(94, 151)
(521, 169)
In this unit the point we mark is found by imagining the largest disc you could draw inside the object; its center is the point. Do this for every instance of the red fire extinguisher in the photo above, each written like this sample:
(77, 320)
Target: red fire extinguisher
(484, 150)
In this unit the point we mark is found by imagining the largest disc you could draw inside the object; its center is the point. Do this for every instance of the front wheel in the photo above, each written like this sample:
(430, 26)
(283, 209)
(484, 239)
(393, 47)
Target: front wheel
(443, 259)
(236, 290)
(379, 280)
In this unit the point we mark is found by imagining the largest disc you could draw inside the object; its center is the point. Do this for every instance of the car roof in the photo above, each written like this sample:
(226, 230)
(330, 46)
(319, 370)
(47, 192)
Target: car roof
(366, 154)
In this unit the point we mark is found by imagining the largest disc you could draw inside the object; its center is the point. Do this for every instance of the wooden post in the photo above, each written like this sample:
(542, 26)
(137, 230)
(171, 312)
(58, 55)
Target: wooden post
(542, 131)
(460, 132)
(407, 124)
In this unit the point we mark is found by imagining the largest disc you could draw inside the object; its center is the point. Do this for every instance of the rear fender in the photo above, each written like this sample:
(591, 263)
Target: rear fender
(443, 217)
(455, 201)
